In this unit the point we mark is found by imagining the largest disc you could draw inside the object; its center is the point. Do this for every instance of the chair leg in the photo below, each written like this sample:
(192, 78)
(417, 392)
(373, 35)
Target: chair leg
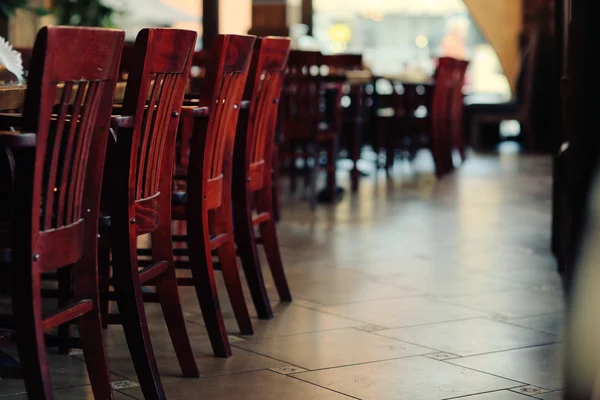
(229, 268)
(271, 244)
(248, 253)
(135, 325)
(92, 343)
(32, 350)
(103, 275)
(168, 295)
(331, 168)
(201, 266)
(313, 150)
(276, 192)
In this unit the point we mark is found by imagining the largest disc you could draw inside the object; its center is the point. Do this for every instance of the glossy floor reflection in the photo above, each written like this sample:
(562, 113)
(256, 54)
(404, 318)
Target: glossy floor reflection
(410, 289)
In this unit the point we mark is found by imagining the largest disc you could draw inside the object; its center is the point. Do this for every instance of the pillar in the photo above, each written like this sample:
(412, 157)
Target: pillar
(210, 22)
(274, 17)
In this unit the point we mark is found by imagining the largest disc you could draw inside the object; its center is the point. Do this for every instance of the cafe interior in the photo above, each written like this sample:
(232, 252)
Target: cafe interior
(317, 199)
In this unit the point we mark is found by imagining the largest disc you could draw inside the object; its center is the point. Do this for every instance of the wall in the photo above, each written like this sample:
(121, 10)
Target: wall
(501, 22)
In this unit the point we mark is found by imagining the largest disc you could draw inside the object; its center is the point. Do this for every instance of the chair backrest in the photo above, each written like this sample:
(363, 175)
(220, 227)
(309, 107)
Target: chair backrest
(340, 63)
(439, 117)
(456, 106)
(79, 66)
(226, 81)
(264, 87)
(154, 95)
(303, 87)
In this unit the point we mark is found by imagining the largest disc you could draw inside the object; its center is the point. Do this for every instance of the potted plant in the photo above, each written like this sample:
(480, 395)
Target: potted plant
(9, 7)
(83, 13)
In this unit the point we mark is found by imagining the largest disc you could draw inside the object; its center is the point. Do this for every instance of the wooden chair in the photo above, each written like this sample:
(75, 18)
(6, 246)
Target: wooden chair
(480, 114)
(304, 125)
(58, 161)
(137, 199)
(456, 108)
(203, 201)
(404, 123)
(252, 173)
(353, 116)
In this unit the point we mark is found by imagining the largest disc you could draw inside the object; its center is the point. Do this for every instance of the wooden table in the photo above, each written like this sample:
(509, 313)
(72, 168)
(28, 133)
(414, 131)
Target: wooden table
(13, 97)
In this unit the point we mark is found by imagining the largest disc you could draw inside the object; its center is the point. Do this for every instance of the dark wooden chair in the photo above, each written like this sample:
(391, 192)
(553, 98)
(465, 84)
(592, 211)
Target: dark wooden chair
(519, 109)
(419, 117)
(137, 199)
(58, 161)
(456, 108)
(252, 173)
(306, 129)
(203, 200)
(353, 115)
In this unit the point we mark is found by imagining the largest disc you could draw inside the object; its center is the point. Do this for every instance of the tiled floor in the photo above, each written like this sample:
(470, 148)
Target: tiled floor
(411, 289)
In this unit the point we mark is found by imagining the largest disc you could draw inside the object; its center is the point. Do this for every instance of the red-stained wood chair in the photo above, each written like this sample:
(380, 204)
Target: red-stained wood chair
(252, 173)
(457, 107)
(58, 161)
(304, 125)
(420, 119)
(203, 200)
(137, 199)
(353, 115)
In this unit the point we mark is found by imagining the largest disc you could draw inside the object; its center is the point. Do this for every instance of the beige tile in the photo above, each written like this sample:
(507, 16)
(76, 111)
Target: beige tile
(552, 323)
(335, 292)
(469, 337)
(499, 395)
(332, 348)
(403, 312)
(558, 395)
(65, 371)
(289, 320)
(414, 378)
(208, 365)
(259, 385)
(513, 303)
(539, 366)
(77, 393)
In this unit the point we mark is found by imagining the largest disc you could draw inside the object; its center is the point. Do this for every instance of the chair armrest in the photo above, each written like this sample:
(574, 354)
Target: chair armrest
(15, 139)
(10, 120)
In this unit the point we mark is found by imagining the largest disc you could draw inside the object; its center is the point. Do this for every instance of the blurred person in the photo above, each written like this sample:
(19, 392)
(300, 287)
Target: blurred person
(454, 43)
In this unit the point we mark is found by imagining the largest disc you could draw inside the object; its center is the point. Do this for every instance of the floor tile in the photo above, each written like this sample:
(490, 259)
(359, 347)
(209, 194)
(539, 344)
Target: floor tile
(469, 337)
(65, 371)
(552, 323)
(290, 320)
(514, 303)
(403, 312)
(260, 385)
(348, 291)
(539, 366)
(557, 395)
(458, 284)
(499, 395)
(332, 348)
(81, 392)
(208, 365)
(415, 378)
